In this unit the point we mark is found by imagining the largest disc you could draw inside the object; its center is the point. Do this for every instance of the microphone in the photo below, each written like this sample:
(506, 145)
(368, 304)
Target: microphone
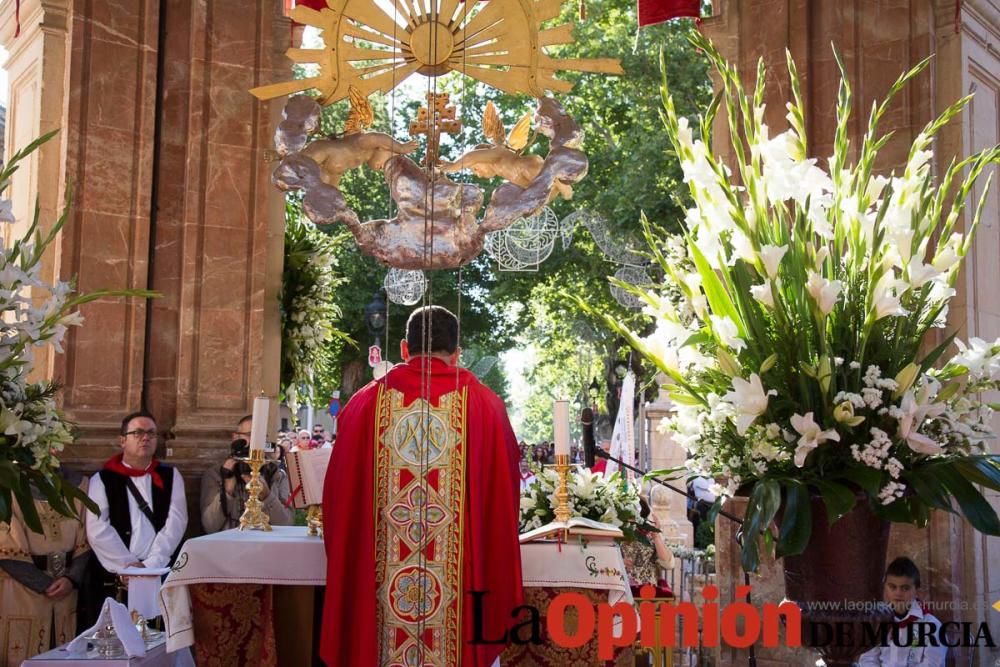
(589, 446)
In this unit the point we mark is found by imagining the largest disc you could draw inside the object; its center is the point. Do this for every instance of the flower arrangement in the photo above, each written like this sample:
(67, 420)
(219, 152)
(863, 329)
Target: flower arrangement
(308, 312)
(34, 313)
(611, 501)
(796, 329)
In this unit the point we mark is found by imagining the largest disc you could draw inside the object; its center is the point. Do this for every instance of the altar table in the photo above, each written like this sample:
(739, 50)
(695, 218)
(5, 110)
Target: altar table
(287, 557)
(156, 656)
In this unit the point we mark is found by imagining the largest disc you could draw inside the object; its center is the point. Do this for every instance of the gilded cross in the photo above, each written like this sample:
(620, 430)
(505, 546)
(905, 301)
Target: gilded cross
(435, 119)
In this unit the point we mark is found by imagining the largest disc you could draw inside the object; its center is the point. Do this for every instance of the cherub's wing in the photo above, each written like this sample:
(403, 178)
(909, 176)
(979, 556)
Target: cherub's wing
(492, 125)
(361, 115)
(518, 137)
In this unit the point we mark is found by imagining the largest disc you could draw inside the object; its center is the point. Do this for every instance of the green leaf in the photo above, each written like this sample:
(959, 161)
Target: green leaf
(5, 506)
(935, 354)
(715, 292)
(869, 479)
(22, 493)
(983, 470)
(839, 499)
(796, 524)
(974, 506)
(926, 486)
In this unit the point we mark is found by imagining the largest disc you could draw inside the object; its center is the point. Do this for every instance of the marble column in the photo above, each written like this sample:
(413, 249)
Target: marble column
(163, 148)
(670, 508)
(35, 59)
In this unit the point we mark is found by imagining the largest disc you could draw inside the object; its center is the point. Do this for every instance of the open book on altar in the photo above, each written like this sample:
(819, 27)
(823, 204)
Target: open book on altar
(578, 525)
(306, 472)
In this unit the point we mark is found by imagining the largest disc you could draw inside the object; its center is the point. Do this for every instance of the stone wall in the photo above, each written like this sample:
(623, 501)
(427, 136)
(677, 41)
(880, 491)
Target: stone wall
(163, 149)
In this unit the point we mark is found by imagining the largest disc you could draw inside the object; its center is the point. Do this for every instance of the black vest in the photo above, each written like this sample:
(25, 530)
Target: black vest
(118, 506)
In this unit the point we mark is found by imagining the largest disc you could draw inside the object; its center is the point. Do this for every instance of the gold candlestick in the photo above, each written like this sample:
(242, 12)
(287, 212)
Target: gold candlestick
(254, 518)
(562, 495)
(314, 521)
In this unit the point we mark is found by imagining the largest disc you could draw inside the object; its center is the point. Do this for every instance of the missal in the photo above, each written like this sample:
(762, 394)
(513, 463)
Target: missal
(306, 472)
(578, 525)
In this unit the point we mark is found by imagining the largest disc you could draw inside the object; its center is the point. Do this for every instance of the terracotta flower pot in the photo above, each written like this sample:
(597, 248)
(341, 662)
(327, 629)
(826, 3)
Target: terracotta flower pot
(843, 564)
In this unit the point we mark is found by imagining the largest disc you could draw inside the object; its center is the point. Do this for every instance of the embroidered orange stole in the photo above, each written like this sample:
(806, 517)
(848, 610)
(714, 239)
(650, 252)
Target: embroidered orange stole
(420, 458)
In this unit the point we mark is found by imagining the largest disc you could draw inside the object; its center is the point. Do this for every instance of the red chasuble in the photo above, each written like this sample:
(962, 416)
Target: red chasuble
(420, 507)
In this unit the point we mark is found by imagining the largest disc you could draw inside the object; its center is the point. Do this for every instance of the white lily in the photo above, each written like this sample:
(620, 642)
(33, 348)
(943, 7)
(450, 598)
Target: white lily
(727, 332)
(812, 435)
(749, 399)
(913, 410)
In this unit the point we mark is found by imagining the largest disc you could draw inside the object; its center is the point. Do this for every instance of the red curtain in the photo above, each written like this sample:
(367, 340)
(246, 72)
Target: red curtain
(658, 11)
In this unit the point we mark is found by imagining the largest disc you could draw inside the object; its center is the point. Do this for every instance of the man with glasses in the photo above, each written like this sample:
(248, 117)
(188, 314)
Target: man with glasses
(223, 488)
(142, 510)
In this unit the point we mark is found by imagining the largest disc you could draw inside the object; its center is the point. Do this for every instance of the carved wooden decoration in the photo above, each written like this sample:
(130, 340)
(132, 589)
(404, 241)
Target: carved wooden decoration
(500, 42)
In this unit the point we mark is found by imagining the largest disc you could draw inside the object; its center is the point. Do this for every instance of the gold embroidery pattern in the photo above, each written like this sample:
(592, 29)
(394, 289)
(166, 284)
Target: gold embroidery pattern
(419, 496)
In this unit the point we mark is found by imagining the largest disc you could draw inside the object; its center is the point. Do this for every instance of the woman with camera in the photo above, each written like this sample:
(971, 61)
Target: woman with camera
(223, 488)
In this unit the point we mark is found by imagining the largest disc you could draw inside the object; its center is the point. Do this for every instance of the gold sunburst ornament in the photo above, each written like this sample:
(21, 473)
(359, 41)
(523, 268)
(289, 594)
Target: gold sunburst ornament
(500, 43)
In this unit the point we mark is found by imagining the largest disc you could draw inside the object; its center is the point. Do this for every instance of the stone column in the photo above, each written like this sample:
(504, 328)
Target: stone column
(670, 508)
(218, 233)
(164, 150)
(35, 106)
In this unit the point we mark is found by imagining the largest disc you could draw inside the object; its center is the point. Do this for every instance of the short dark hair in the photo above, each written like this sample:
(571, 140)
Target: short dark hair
(244, 418)
(135, 415)
(432, 329)
(904, 567)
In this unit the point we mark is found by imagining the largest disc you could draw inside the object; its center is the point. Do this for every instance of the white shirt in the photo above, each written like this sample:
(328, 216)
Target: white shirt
(147, 546)
(908, 656)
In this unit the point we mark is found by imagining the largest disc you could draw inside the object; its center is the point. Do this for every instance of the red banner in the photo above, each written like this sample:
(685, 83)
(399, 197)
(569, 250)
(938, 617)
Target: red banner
(658, 11)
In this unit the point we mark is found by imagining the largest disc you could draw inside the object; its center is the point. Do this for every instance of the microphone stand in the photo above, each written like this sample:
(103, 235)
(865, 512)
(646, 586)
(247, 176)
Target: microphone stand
(600, 453)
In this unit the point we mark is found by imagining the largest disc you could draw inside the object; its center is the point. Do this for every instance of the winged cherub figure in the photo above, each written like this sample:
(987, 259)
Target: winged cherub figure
(502, 156)
(355, 147)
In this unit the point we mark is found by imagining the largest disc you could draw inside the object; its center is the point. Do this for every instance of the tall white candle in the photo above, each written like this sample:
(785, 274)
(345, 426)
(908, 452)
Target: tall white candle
(258, 431)
(560, 427)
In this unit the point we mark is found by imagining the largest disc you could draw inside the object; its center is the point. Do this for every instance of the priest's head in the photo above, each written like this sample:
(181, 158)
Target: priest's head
(432, 331)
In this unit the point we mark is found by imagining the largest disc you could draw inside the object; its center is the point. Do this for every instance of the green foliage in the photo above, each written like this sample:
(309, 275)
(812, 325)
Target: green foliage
(310, 342)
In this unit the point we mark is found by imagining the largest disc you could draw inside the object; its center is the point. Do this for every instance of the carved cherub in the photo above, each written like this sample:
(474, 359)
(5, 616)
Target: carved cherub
(337, 155)
(502, 156)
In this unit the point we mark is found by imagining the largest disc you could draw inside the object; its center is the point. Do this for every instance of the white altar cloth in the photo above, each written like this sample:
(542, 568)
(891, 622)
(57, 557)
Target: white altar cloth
(286, 556)
(156, 656)
(593, 564)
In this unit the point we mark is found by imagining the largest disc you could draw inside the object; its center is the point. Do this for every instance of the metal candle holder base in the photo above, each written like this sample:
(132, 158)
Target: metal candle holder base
(254, 517)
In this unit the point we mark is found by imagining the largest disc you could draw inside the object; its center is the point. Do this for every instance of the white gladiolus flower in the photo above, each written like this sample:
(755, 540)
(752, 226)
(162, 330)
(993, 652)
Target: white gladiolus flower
(727, 332)
(885, 296)
(811, 436)
(770, 256)
(920, 273)
(824, 292)
(763, 294)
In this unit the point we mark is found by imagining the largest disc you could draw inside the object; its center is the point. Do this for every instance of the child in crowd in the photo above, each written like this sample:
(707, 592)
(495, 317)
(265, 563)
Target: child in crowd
(901, 584)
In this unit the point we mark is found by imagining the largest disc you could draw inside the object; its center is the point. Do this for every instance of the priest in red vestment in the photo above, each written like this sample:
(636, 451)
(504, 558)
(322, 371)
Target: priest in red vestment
(420, 507)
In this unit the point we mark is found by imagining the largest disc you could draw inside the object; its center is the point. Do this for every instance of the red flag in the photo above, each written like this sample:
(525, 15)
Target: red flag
(658, 11)
(311, 4)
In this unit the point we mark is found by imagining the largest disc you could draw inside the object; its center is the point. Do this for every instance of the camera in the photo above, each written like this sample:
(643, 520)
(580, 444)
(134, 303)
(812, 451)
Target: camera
(240, 449)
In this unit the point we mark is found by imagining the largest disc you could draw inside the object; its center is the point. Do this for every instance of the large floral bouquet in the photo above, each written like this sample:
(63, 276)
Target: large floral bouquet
(591, 496)
(309, 310)
(33, 431)
(799, 324)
